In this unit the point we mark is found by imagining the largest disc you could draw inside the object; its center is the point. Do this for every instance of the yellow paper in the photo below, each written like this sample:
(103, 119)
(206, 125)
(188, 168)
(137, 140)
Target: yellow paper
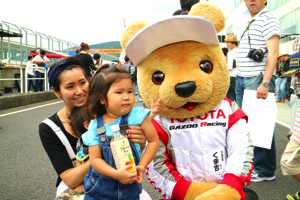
(122, 153)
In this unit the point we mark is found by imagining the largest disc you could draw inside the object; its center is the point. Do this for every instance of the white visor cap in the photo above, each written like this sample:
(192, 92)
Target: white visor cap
(168, 31)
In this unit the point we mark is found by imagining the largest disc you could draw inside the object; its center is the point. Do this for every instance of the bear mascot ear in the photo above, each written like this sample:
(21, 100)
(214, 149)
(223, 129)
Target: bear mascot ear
(211, 12)
(130, 31)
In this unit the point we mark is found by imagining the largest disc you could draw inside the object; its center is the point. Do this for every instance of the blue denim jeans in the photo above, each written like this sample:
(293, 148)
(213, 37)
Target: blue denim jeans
(281, 88)
(264, 159)
(97, 186)
(134, 86)
(39, 83)
(287, 88)
(30, 83)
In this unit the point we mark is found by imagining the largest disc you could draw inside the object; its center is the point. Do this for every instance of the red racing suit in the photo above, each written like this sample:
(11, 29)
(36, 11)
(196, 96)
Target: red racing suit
(215, 147)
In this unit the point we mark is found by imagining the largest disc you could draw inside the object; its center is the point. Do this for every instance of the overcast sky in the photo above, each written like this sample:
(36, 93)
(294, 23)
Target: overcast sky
(89, 21)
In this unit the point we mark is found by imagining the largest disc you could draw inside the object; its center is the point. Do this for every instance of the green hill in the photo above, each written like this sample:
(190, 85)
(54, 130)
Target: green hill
(107, 45)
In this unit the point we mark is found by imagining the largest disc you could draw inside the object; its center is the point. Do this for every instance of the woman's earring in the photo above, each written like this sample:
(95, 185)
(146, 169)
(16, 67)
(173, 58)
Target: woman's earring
(59, 98)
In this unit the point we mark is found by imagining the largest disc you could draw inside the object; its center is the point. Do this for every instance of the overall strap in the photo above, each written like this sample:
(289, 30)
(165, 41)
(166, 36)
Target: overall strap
(62, 138)
(124, 123)
(101, 129)
(100, 126)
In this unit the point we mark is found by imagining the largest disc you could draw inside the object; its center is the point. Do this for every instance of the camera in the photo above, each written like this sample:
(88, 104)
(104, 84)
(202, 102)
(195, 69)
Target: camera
(256, 54)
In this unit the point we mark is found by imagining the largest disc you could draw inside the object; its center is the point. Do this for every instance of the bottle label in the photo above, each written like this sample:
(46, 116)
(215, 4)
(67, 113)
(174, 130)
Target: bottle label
(122, 153)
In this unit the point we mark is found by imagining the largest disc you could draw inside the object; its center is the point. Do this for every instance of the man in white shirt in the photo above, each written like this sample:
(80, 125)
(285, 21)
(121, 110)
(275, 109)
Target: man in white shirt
(231, 42)
(40, 60)
(30, 73)
(256, 61)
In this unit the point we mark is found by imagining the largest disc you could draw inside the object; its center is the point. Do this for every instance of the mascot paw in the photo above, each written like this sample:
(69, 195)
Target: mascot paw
(198, 188)
(222, 191)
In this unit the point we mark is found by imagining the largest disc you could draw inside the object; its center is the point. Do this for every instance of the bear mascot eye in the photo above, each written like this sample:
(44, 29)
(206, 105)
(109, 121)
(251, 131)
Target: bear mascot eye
(206, 66)
(158, 77)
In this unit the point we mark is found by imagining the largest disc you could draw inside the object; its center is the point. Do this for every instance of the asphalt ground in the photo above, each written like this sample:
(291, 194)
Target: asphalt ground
(26, 171)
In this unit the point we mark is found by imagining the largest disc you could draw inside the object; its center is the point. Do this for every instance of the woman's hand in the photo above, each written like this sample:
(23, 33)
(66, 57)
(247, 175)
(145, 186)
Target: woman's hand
(136, 135)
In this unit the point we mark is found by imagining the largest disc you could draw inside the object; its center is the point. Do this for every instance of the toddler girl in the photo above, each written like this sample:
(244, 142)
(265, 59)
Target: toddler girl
(111, 101)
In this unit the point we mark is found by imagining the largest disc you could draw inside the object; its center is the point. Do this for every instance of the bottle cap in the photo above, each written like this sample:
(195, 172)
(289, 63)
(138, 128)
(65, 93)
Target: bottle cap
(115, 127)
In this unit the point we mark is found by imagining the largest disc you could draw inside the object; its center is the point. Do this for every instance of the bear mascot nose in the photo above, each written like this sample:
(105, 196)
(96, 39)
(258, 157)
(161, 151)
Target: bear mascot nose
(185, 89)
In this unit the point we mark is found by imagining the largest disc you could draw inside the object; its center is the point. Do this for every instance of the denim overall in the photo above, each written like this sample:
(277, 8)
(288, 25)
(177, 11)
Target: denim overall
(97, 186)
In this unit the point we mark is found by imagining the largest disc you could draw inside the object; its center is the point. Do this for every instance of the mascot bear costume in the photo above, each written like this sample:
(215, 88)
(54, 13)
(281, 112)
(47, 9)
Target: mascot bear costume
(205, 150)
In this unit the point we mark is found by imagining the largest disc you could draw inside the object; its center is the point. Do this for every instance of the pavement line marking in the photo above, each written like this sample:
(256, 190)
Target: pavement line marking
(29, 109)
(283, 123)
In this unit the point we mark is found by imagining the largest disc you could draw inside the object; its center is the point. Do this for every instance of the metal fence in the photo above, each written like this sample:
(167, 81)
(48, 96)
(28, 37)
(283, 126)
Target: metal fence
(23, 77)
(17, 55)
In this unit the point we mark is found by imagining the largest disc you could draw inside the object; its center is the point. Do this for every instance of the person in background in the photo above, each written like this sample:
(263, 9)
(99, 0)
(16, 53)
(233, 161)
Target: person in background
(225, 52)
(119, 64)
(289, 163)
(186, 6)
(127, 64)
(86, 60)
(231, 42)
(133, 74)
(262, 31)
(296, 84)
(288, 90)
(30, 72)
(40, 60)
(280, 81)
(97, 58)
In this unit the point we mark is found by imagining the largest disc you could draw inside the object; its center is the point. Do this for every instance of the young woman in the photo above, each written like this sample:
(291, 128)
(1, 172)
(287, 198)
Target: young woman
(86, 59)
(68, 81)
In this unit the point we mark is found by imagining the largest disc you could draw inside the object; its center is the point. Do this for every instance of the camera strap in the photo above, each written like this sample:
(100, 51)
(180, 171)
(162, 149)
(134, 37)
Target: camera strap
(247, 29)
(249, 23)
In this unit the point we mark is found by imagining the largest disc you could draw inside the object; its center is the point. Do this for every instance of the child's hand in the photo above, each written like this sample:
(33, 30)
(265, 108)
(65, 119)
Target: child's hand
(124, 176)
(79, 189)
(140, 172)
(156, 107)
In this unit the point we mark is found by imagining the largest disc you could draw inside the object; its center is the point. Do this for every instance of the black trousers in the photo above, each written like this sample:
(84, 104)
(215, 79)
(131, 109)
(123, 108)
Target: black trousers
(231, 90)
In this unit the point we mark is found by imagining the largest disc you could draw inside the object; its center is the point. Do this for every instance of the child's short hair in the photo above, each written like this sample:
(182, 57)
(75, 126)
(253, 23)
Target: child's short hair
(97, 56)
(99, 85)
(29, 57)
(42, 52)
(77, 120)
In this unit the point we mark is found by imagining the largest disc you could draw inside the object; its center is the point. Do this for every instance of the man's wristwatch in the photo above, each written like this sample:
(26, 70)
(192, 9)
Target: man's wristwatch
(266, 83)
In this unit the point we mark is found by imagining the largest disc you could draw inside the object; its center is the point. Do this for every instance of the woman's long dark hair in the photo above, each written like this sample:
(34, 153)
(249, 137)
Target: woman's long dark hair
(99, 85)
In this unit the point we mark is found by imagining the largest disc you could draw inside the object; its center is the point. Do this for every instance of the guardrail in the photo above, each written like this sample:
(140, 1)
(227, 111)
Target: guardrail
(11, 79)
(25, 75)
